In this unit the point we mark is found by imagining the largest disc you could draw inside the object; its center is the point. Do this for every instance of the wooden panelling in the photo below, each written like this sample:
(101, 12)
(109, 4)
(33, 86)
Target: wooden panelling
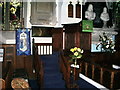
(26, 63)
(85, 41)
(57, 35)
(9, 54)
(69, 39)
(75, 37)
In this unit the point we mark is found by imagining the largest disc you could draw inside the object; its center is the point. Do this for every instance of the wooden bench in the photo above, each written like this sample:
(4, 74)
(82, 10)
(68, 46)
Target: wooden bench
(99, 68)
(7, 75)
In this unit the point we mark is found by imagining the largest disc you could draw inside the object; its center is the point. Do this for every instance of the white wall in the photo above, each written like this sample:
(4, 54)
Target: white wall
(64, 12)
(8, 37)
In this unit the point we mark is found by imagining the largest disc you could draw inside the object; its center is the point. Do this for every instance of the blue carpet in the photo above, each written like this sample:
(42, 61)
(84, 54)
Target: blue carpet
(33, 84)
(52, 75)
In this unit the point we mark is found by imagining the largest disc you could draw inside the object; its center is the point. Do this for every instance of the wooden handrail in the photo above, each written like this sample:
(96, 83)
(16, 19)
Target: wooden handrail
(38, 65)
(66, 70)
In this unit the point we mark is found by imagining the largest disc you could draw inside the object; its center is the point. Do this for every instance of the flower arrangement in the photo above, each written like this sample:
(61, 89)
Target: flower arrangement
(76, 53)
(107, 44)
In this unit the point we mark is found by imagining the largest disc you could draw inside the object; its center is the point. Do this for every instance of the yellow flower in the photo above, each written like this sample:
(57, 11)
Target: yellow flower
(72, 50)
(76, 53)
(75, 48)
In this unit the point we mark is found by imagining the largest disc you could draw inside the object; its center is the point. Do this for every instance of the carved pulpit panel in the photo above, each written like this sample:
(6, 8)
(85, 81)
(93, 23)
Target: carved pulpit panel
(43, 13)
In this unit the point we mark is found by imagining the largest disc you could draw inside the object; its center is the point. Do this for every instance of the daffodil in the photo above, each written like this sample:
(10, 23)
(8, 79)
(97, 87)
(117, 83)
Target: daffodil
(77, 53)
(75, 48)
(72, 50)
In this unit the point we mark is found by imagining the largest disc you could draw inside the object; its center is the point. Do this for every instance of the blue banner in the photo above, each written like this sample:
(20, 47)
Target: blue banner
(23, 44)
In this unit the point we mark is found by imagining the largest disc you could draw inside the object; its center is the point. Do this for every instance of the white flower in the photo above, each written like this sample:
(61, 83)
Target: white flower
(81, 51)
(112, 47)
(104, 38)
(107, 46)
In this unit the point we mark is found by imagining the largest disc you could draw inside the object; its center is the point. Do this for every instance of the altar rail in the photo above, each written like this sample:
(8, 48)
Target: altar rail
(44, 48)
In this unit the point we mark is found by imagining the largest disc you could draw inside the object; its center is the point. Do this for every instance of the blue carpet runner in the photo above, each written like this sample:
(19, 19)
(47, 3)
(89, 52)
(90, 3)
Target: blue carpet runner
(33, 84)
(52, 75)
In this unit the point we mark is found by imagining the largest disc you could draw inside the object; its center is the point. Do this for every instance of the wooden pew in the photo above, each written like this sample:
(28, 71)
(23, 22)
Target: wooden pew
(7, 75)
(99, 68)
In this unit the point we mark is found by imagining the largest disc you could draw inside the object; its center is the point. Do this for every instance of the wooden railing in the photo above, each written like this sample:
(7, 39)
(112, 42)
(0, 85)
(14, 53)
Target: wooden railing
(39, 73)
(65, 69)
(93, 67)
(104, 75)
(38, 66)
(70, 74)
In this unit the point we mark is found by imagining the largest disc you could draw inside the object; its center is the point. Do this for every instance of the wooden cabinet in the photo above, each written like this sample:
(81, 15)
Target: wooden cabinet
(75, 37)
(9, 54)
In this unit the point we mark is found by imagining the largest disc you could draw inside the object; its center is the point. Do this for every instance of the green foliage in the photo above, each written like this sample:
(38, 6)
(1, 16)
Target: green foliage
(107, 44)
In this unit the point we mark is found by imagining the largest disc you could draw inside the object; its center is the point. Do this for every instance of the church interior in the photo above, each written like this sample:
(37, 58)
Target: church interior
(60, 44)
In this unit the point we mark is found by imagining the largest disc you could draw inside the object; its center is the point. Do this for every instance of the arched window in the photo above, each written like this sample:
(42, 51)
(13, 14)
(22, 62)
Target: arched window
(70, 10)
(78, 10)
